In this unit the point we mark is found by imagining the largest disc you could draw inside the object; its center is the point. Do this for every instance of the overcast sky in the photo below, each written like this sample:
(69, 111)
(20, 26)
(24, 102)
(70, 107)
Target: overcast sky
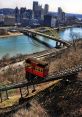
(73, 6)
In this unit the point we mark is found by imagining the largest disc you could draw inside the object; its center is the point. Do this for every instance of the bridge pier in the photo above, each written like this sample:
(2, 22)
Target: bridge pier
(59, 44)
(31, 34)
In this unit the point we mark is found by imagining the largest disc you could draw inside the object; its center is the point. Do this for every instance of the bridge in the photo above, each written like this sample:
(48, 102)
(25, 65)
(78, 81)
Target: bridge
(69, 73)
(64, 27)
(33, 33)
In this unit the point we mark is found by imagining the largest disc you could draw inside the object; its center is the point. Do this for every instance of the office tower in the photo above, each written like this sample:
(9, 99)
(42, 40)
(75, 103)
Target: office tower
(16, 15)
(50, 20)
(35, 5)
(37, 10)
(22, 11)
(46, 9)
(61, 15)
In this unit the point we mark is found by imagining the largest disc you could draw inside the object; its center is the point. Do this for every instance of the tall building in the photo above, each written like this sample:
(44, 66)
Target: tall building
(59, 10)
(28, 14)
(46, 9)
(17, 17)
(22, 11)
(35, 5)
(37, 10)
(50, 20)
(1, 19)
(61, 15)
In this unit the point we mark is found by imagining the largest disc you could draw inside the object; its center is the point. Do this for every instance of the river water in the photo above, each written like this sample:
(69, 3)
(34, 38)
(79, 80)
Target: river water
(71, 33)
(26, 45)
(19, 45)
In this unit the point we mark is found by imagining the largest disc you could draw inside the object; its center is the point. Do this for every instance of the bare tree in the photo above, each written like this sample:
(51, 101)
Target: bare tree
(74, 37)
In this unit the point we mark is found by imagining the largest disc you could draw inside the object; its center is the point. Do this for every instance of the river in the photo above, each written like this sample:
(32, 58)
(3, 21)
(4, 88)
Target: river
(26, 45)
(71, 33)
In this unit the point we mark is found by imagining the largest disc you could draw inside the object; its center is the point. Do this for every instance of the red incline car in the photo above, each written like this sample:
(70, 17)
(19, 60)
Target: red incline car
(36, 67)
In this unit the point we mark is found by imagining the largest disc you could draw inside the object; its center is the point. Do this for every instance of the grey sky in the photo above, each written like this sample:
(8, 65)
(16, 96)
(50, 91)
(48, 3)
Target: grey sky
(74, 6)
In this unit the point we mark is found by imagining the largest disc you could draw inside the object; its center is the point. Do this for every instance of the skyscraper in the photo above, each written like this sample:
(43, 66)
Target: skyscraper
(60, 11)
(35, 5)
(61, 15)
(22, 11)
(16, 15)
(37, 10)
(46, 9)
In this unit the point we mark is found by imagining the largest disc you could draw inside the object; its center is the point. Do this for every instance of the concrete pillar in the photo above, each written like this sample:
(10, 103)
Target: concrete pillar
(62, 44)
(56, 44)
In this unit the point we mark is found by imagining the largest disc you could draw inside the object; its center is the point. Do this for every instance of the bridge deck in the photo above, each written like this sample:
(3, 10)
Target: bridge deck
(47, 36)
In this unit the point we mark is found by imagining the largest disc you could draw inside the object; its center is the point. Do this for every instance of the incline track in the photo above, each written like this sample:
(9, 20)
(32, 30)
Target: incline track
(56, 76)
(59, 75)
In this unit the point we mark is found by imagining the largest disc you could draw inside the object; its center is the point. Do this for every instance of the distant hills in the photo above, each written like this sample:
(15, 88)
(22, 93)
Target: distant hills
(67, 14)
(76, 15)
(7, 11)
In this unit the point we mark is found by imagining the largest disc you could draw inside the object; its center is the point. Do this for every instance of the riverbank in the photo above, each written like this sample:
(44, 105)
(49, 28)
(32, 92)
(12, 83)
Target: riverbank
(11, 34)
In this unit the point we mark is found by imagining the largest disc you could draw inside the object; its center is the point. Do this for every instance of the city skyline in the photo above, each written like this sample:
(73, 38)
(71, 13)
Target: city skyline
(73, 6)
